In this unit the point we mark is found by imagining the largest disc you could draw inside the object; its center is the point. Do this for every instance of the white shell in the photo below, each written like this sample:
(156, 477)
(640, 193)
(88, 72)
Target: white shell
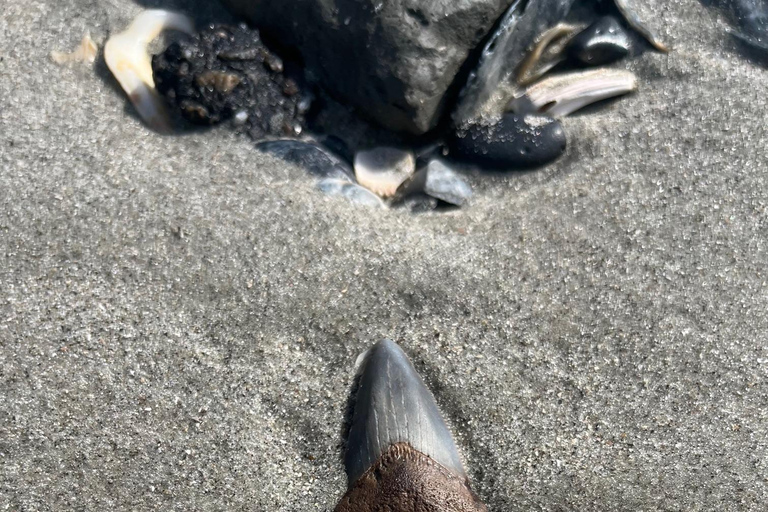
(382, 170)
(129, 61)
(85, 52)
(561, 95)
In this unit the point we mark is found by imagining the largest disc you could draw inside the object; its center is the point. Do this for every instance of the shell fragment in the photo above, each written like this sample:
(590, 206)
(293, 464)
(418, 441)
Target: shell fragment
(562, 95)
(129, 61)
(382, 170)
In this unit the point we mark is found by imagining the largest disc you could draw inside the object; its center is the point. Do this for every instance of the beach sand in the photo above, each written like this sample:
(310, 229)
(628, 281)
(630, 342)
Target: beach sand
(180, 316)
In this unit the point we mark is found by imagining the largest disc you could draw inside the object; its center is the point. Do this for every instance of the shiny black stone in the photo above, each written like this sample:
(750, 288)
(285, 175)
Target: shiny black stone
(515, 141)
(603, 42)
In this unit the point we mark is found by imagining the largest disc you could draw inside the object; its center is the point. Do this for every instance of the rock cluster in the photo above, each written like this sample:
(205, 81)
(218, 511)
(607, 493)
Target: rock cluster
(395, 60)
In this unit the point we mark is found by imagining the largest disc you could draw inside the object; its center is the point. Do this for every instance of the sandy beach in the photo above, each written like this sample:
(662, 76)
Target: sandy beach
(180, 315)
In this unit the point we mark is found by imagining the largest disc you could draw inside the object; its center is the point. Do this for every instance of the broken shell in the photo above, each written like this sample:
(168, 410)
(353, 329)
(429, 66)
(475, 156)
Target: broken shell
(515, 32)
(351, 191)
(548, 52)
(382, 170)
(129, 61)
(439, 181)
(634, 21)
(315, 160)
(400, 453)
(85, 52)
(561, 95)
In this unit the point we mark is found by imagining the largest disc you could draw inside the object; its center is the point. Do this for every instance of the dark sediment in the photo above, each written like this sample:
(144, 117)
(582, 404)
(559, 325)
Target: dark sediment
(226, 72)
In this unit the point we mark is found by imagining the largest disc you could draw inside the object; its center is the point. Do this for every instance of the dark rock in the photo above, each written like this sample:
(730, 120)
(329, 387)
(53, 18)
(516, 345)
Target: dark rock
(394, 60)
(514, 141)
(603, 42)
(750, 19)
(226, 72)
(419, 203)
(439, 181)
(317, 161)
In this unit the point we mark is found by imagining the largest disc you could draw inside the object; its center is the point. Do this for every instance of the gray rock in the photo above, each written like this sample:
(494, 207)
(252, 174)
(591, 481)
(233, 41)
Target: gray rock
(394, 60)
(439, 181)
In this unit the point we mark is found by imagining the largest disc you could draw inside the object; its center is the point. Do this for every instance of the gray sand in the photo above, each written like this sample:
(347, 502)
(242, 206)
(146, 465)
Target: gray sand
(180, 316)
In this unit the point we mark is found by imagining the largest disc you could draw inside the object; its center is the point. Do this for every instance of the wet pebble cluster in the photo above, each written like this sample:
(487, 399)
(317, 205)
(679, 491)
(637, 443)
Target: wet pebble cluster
(378, 177)
(506, 116)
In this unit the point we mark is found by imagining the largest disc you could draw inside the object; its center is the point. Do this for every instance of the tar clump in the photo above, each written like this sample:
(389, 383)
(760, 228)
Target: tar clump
(226, 73)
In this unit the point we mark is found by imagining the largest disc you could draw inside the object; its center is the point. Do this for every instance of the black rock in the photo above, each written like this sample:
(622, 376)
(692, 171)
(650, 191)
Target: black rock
(603, 42)
(514, 141)
(225, 72)
(317, 161)
(392, 59)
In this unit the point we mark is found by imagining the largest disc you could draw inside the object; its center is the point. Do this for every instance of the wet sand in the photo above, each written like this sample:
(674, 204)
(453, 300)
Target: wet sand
(180, 316)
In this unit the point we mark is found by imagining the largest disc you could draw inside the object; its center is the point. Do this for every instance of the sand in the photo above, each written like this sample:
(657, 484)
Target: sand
(180, 316)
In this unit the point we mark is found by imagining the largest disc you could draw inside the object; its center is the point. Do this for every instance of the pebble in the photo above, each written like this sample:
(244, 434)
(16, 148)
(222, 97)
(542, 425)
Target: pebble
(354, 193)
(382, 170)
(419, 203)
(317, 161)
(514, 141)
(439, 181)
(603, 42)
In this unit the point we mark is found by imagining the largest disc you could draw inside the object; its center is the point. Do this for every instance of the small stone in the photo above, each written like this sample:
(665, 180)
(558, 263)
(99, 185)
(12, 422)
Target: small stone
(603, 42)
(354, 193)
(514, 141)
(317, 161)
(420, 203)
(439, 181)
(382, 170)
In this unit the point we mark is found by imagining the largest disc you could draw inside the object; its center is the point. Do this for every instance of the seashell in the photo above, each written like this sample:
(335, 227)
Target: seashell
(315, 160)
(400, 454)
(382, 170)
(86, 52)
(548, 52)
(561, 95)
(625, 8)
(516, 32)
(129, 61)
